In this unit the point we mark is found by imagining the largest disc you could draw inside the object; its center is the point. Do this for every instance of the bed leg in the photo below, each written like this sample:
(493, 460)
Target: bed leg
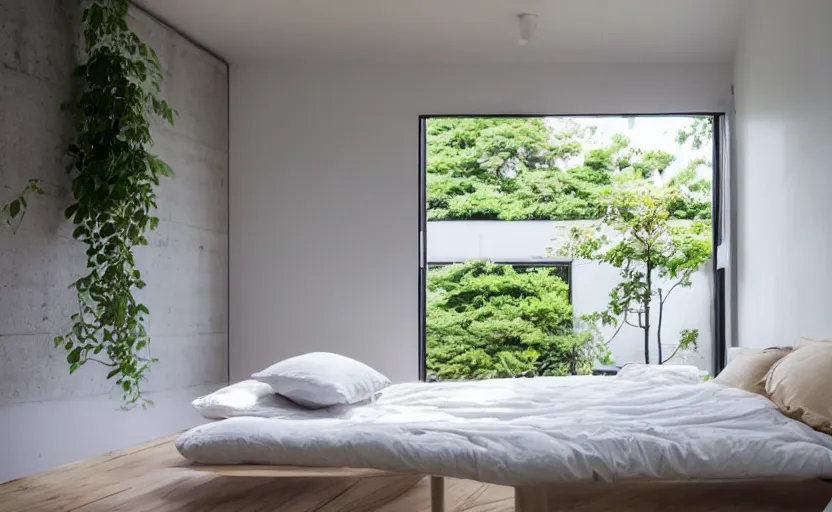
(437, 494)
(530, 499)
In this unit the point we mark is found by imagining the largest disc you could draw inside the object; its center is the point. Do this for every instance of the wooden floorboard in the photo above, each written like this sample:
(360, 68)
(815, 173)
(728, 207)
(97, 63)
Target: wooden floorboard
(150, 478)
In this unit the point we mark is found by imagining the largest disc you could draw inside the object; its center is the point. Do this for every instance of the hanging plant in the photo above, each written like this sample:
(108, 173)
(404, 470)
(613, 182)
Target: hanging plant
(113, 187)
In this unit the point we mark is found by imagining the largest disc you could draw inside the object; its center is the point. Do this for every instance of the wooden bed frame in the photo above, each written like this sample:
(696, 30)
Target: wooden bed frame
(437, 483)
(154, 476)
(526, 498)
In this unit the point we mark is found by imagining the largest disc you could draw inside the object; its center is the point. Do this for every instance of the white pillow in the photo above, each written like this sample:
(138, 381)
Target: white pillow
(246, 398)
(661, 375)
(322, 379)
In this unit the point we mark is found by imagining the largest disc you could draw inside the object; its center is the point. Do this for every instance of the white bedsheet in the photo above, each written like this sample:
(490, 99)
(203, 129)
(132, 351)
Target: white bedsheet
(529, 431)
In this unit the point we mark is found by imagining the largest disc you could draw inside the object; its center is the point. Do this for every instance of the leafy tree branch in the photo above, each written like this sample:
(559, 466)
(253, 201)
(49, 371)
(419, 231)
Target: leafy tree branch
(647, 247)
(700, 131)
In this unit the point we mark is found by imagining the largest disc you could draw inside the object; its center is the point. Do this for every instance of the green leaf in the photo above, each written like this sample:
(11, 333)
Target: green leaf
(107, 230)
(35, 185)
(74, 356)
(14, 208)
(113, 373)
(59, 341)
(71, 211)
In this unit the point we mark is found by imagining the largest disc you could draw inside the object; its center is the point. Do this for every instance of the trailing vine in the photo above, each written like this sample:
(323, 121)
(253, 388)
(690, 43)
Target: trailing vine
(12, 212)
(113, 188)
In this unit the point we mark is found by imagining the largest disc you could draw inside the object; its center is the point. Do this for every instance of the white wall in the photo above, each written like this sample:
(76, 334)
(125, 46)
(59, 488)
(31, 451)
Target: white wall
(784, 175)
(48, 417)
(324, 173)
(687, 308)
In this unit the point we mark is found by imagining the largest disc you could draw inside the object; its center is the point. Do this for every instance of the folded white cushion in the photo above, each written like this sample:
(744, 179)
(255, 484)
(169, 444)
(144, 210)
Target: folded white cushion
(246, 398)
(322, 379)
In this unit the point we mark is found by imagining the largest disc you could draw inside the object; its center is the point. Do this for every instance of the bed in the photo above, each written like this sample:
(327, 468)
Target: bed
(537, 435)
(153, 477)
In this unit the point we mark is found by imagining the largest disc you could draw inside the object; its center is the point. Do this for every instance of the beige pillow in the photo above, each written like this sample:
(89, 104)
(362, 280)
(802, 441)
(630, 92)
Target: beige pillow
(734, 352)
(802, 342)
(800, 384)
(748, 368)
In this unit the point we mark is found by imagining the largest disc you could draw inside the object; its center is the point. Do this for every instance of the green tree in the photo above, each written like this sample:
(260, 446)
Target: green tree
(693, 198)
(654, 255)
(652, 161)
(488, 320)
(699, 132)
(521, 169)
(501, 168)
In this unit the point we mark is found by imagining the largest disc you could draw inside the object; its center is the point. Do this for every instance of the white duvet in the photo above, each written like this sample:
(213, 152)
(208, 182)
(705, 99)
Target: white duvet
(530, 431)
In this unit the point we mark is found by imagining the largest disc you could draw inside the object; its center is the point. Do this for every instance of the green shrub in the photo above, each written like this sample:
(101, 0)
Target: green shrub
(488, 320)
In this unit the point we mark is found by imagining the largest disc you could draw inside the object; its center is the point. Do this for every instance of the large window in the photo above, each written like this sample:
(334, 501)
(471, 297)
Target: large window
(537, 235)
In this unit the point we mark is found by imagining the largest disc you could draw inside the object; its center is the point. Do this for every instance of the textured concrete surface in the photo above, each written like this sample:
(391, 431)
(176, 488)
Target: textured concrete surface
(185, 264)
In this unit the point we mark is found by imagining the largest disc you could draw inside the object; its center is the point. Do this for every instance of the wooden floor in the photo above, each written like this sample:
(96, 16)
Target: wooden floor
(152, 477)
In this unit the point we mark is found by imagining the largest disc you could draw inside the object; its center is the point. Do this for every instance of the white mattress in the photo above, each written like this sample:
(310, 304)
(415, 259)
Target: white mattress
(530, 431)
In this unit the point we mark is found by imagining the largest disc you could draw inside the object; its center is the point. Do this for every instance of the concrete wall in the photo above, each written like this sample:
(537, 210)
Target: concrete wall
(48, 417)
(324, 187)
(783, 121)
(687, 308)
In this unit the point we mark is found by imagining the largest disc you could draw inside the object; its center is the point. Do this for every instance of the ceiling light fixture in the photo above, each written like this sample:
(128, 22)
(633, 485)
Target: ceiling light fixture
(528, 24)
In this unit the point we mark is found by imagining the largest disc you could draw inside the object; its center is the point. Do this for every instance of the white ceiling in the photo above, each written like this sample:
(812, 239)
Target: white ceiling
(460, 30)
